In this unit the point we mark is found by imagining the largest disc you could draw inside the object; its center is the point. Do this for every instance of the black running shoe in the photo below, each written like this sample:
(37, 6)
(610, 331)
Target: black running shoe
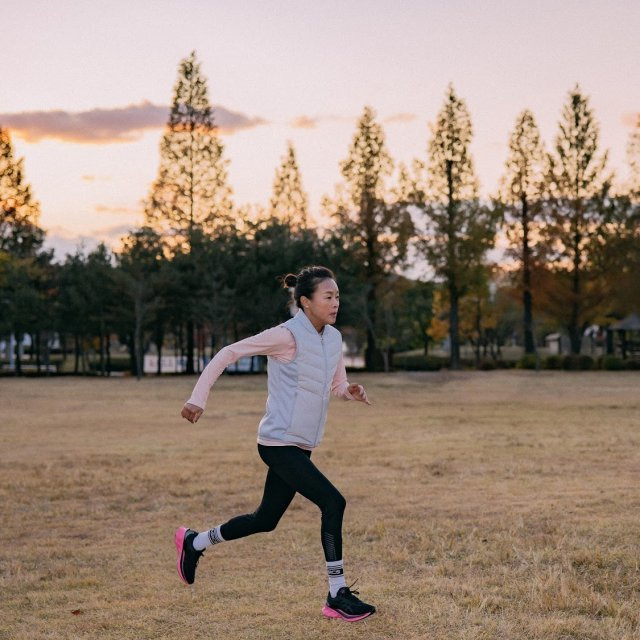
(187, 556)
(346, 606)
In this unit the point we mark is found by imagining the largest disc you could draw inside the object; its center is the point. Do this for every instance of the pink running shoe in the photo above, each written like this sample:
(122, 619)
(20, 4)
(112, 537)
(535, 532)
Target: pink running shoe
(346, 606)
(187, 556)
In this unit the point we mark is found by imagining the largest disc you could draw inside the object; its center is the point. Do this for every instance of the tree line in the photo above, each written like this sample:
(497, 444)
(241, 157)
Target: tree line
(202, 271)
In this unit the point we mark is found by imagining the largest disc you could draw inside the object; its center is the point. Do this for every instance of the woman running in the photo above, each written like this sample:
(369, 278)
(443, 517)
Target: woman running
(305, 365)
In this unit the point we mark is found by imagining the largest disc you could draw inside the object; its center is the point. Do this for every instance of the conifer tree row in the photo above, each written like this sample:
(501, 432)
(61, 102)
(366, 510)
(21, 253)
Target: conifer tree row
(374, 228)
(191, 193)
(577, 183)
(20, 233)
(459, 229)
(522, 191)
(289, 202)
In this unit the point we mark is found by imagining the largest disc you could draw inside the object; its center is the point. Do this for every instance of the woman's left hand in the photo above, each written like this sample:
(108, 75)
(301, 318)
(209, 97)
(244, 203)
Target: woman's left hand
(358, 392)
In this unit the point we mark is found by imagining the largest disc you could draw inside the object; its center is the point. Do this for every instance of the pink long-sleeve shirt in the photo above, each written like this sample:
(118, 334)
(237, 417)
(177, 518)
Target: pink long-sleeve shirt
(277, 343)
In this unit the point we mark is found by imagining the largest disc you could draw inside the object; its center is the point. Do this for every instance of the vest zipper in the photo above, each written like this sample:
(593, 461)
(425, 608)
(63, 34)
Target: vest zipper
(324, 408)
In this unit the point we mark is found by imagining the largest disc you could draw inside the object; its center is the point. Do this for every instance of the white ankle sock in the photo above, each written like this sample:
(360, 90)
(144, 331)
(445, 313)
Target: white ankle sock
(335, 572)
(207, 538)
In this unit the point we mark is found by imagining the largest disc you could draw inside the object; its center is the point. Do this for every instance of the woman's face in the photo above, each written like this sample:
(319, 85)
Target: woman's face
(322, 307)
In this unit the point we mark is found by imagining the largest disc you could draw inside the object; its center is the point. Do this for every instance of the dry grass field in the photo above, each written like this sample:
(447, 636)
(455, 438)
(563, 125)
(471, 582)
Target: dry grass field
(480, 505)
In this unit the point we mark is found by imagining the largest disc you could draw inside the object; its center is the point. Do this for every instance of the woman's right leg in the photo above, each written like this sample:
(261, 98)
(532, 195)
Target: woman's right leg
(290, 471)
(276, 498)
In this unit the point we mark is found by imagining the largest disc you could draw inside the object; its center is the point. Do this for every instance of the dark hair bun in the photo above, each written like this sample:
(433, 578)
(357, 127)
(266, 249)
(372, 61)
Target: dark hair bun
(290, 280)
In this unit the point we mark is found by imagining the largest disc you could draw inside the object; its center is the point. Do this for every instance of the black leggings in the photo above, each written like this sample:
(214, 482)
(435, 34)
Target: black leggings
(291, 471)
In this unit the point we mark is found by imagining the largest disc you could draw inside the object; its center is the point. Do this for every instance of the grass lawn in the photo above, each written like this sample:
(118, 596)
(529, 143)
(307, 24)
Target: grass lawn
(489, 505)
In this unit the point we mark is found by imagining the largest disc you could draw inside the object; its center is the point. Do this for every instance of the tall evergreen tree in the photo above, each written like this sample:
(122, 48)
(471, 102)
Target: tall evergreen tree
(19, 211)
(375, 229)
(191, 195)
(521, 191)
(289, 202)
(617, 242)
(191, 192)
(459, 229)
(577, 179)
(633, 159)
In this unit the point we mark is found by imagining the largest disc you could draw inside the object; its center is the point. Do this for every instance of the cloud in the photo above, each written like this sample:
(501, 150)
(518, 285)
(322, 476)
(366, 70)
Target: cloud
(401, 117)
(631, 119)
(307, 122)
(65, 242)
(128, 211)
(112, 233)
(304, 122)
(105, 126)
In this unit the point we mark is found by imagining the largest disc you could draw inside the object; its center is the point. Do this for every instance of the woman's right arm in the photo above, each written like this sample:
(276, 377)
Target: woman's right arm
(277, 342)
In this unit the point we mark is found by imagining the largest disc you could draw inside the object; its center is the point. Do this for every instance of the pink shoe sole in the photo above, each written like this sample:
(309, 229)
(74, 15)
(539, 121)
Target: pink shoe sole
(179, 540)
(328, 612)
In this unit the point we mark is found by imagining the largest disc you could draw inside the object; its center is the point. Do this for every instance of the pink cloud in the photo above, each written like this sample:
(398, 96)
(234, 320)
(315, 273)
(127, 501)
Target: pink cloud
(307, 122)
(101, 208)
(304, 122)
(401, 117)
(105, 126)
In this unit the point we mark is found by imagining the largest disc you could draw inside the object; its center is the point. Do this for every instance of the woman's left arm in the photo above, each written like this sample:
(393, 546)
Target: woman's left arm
(340, 385)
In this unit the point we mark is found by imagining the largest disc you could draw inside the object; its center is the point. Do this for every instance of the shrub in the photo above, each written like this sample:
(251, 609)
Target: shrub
(553, 362)
(586, 363)
(632, 365)
(117, 364)
(528, 361)
(612, 363)
(418, 363)
(573, 362)
(569, 363)
(486, 365)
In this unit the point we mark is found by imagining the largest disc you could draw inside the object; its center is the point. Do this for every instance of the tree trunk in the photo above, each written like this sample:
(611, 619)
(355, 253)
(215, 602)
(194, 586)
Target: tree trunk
(371, 354)
(47, 354)
(132, 352)
(372, 347)
(159, 341)
(108, 349)
(84, 358)
(454, 328)
(189, 369)
(137, 338)
(527, 300)
(610, 350)
(454, 294)
(199, 348)
(575, 335)
(181, 344)
(529, 341)
(38, 348)
(18, 347)
(102, 363)
(478, 329)
(76, 346)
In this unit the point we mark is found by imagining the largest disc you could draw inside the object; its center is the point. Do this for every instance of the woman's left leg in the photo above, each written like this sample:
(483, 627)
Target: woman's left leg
(294, 466)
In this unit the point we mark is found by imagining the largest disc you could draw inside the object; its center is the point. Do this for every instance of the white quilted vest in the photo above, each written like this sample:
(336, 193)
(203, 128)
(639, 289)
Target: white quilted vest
(299, 391)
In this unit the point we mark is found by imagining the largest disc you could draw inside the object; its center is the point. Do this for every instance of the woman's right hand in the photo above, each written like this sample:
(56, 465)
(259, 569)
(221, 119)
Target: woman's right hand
(191, 413)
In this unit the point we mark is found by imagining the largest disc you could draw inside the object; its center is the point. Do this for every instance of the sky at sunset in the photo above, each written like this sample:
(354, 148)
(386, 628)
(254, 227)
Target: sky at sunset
(86, 87)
